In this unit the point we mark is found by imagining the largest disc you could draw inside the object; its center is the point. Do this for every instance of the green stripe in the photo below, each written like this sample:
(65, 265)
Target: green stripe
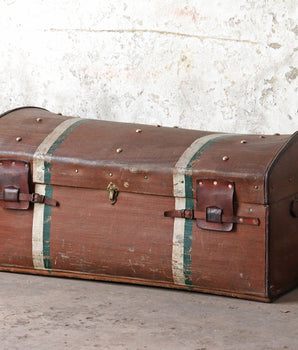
(47, 229)
(55, 146)
(189, 204)
(49, 192)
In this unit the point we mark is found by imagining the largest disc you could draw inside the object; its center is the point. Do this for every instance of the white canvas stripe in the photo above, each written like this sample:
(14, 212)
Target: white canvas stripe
(181, 166)
(38, 178)
(179, 173)
(37, 230)
(40, 153)
(178, 245)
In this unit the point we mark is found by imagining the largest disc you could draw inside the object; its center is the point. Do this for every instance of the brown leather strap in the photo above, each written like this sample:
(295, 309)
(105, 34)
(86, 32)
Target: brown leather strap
(33, 198)
(192, 214)
(38, 198)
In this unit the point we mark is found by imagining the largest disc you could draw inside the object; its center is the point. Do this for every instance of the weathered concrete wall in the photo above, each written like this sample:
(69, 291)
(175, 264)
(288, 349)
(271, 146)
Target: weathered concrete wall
(219, 65)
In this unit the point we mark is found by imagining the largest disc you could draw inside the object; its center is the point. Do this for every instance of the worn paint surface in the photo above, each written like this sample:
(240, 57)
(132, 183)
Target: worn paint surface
(183, 192)
(224, 66)
(42, 217)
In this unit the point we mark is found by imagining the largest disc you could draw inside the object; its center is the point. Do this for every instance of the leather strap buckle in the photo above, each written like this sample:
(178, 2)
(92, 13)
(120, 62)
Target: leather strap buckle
(37, 198)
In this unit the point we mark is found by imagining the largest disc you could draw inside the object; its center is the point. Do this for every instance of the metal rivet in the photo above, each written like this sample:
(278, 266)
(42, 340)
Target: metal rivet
(77, 170)
(230, 186)
(261, 136)
(241, 220)
(18, 139)
(225, 158)
(146, 177)
(256, 187)
(38, 120)
(119, 150)
(26, 165)
(139, 130)
(214, 183)
(0, 163)
(126, 184)
(250, 209)
(13, 163)
(243, 141)
(201, 183)
(111, 174)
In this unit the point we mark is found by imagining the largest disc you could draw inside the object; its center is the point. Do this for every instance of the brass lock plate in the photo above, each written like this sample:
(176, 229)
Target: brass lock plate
(113, 193)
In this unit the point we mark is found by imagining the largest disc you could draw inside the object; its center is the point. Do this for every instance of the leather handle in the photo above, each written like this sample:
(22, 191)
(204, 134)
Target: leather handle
(294, 208)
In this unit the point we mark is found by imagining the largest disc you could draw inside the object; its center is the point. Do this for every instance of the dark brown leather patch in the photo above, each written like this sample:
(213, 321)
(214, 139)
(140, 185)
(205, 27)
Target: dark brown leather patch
(14, 179)
(215, 198)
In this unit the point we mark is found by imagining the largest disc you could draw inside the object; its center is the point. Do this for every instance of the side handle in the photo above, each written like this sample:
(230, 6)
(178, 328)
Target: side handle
(294, 208)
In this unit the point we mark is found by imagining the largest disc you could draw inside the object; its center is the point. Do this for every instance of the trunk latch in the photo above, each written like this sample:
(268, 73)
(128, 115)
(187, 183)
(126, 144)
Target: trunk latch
(14, 186)
(113, 193)
(214, 207)
(215, 198)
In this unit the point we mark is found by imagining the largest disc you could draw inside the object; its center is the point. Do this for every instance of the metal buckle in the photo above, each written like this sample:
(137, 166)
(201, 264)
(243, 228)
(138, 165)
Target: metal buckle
(37, 198)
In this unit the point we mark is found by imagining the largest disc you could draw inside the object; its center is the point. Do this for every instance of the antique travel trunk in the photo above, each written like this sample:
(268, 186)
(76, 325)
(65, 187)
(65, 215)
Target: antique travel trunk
(149, 205)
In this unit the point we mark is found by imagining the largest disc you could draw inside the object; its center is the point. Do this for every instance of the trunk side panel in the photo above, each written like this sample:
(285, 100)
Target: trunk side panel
(16, 238)
(130, 239)
(233, 261)
(282, 189)
(283, 248)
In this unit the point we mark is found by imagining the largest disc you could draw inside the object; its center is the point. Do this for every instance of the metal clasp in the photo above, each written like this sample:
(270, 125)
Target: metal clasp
(113, 193)
(37, 198)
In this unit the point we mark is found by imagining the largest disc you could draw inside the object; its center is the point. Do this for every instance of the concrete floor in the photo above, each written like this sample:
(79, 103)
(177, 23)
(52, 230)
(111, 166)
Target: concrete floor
(52, 313)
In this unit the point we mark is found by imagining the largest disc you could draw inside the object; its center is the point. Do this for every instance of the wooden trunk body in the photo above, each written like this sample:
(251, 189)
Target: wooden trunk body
(155, 170)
